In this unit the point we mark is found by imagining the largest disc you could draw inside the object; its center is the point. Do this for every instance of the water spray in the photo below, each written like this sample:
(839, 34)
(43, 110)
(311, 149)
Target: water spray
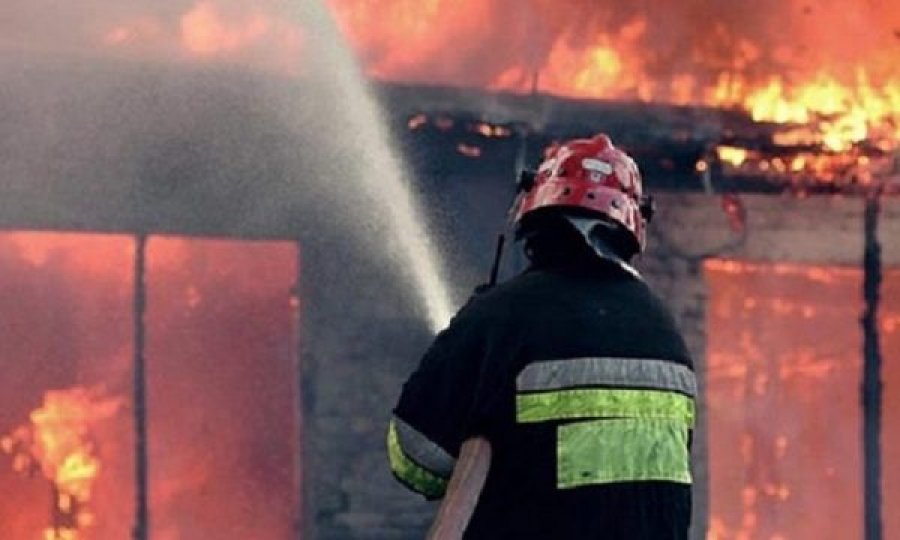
(393, 198)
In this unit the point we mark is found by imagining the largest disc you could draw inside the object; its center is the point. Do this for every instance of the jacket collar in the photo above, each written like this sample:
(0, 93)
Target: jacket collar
(587, 228)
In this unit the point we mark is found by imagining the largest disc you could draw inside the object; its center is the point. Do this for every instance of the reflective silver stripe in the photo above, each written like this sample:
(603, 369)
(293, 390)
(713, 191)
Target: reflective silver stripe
(421, 450)
(623, 372)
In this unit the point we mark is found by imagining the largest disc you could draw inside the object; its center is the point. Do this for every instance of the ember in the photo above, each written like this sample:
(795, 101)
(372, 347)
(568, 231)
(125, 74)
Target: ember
(417, 121)
(469, 150)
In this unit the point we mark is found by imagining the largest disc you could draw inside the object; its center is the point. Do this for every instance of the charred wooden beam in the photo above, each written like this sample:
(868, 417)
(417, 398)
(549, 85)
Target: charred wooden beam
(141, 515)
(872, 384)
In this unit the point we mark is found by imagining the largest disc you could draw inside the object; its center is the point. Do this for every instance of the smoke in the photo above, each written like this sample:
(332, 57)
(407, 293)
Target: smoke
(258, 36)
(189, 115)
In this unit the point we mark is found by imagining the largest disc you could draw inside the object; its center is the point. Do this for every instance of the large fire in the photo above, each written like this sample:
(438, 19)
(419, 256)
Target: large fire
(57, 443)
(830, 68)
(823, 79)
(825, 72)
(220, 370)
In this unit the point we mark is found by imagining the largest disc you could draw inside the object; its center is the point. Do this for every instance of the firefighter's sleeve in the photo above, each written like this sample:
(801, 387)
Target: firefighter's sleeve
(439, 408)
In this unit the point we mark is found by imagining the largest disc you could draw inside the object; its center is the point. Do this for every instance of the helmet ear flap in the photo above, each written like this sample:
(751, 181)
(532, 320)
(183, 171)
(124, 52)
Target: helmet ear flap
(526, 181)
(647, 208)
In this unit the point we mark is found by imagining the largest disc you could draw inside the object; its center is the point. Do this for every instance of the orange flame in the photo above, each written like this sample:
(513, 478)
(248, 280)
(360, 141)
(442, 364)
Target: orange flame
(842, 85)
(843, 114)
(57, 444)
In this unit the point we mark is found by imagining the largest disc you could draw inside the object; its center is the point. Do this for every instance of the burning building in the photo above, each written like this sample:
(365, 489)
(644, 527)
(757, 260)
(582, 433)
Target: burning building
(178, 216)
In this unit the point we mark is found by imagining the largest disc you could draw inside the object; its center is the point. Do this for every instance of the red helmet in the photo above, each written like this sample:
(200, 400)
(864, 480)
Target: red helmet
(591, 175)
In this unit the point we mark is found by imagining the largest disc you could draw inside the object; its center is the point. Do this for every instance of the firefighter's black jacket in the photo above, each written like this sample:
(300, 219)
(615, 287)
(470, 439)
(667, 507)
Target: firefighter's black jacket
(582, 384)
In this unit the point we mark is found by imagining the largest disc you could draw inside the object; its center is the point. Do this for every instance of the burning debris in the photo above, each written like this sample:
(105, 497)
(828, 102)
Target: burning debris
(809, 117)
(806, 168)
(57, 444)
(446, 122)
(679, 148)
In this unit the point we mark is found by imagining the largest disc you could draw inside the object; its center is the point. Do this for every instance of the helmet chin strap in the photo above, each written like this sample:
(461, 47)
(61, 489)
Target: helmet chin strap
(586, 227)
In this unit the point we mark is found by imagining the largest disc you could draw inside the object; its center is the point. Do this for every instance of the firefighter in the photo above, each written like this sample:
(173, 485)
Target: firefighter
(570, 382)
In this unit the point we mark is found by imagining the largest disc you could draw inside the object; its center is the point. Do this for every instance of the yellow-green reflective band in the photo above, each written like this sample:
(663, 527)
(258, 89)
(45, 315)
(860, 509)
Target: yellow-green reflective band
(622, 450)
(422, 450)
(409, 472)
(604, 403)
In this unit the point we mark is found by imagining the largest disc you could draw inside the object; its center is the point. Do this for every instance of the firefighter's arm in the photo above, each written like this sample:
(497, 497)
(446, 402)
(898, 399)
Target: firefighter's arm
(438, 410)
(462, 494)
